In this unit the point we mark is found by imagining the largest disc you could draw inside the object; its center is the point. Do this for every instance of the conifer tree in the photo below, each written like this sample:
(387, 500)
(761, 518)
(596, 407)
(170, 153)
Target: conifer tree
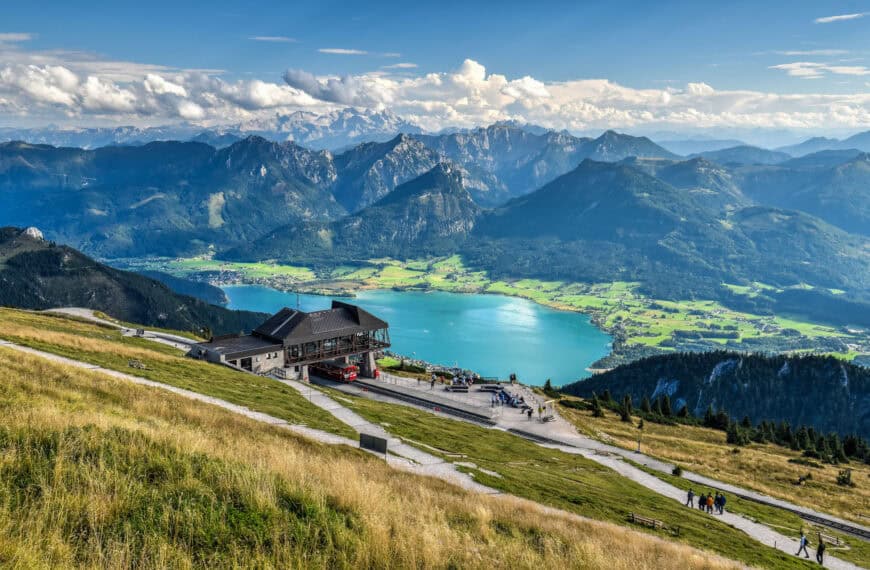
(645, 406)
(625, 411)
(597, 411)
(666, 406)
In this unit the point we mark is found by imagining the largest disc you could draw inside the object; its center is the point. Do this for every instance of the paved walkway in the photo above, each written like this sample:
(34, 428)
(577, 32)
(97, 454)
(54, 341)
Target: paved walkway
(403, 456)
(562, 431)
(565, 432)
(416, 460)
(612, 457)
(175, 341)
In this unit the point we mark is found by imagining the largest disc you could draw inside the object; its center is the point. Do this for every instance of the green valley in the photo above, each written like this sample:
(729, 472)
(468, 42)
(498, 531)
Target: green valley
(641, 325)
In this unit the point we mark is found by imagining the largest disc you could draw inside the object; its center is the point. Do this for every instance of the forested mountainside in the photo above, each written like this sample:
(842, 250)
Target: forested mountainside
(429, 215)
(606, 221)
(163, 198)
(839, 194)
(638, 213)
(37, 274)
(743, 154)
(823, 392)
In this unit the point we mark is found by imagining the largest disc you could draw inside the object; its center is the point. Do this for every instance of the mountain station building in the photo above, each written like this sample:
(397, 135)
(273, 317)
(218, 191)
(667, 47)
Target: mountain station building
(292, 339)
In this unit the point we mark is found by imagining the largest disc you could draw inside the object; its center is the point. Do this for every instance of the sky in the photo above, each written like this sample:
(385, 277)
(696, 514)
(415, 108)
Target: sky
(583, 66)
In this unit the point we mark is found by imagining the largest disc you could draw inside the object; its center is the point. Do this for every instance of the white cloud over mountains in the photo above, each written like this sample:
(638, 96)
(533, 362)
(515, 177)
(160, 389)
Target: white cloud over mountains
(81, 88)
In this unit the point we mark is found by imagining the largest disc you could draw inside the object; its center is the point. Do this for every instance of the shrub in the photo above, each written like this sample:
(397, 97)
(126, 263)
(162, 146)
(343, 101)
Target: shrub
(844, 478)
(677, 471)
(806, 462)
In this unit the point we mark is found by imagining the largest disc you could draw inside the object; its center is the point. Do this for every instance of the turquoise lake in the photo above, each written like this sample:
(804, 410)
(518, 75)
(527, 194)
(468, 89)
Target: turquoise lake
(492, 335)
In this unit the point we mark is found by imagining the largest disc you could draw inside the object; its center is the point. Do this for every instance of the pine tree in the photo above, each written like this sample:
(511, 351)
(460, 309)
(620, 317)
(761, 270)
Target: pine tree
(605, 397)
(709, 416)
(645, 406)
(666, 406)
(838, 454)
(732, 435)
(625, 411)
(746, 423)
(802, 439)
(684, 411)
(597, 411)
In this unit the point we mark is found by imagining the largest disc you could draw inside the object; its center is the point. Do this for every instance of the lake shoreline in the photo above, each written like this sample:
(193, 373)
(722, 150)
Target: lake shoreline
(492, 335)
(640, 326)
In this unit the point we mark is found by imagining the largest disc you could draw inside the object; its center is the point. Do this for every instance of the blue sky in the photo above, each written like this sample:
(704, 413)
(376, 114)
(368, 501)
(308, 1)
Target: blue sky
(765, 47)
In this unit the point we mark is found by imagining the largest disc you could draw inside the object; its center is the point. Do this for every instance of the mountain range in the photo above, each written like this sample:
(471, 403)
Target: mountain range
(429, 215)
(516, 201)
(332, 130)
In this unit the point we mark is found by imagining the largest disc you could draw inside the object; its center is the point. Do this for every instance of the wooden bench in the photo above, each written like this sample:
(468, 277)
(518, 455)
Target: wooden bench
(457, 388)
(832, 540)
(652, 523)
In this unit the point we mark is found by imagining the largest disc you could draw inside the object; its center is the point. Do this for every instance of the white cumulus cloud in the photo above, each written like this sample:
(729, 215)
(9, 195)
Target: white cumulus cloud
(15, 37)
(839, 18)
(80, 88)
(343, 51)
(273, 39)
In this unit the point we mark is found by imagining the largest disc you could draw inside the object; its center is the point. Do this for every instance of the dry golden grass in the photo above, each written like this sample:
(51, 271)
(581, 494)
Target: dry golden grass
(764, 468)
(401, 520)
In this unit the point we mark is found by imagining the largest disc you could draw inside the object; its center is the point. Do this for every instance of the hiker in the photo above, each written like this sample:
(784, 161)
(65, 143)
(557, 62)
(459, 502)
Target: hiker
(690, 502)
(722, 504)
(432, 384)
(702, 501)
(710, 503)
(716, 503)
(529, 412)
(820, 551)
(803, 546)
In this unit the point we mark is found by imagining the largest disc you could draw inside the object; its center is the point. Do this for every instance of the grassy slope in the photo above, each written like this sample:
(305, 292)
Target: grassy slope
(856, 550)
(561, 480)
(96, 472)
(763, 467)
(644, 321)
(106, 347)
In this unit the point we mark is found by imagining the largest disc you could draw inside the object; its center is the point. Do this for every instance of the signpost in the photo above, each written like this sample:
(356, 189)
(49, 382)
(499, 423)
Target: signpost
(373, 443)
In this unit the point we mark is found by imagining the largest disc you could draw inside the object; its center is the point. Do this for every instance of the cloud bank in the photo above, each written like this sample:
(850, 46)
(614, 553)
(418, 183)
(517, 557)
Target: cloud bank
(80, 88)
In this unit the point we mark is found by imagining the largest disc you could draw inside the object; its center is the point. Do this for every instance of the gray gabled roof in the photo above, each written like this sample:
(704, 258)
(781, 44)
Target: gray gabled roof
(290, 326)
(233, 347)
